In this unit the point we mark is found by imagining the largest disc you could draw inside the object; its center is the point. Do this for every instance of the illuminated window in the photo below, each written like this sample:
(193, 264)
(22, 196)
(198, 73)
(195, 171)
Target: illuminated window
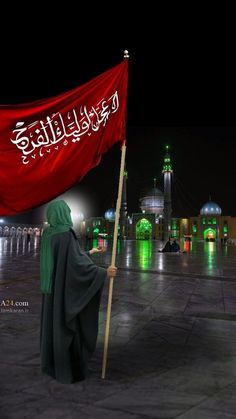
(174, 225)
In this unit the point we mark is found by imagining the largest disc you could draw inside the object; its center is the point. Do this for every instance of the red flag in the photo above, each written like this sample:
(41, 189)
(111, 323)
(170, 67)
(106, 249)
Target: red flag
(48, 145)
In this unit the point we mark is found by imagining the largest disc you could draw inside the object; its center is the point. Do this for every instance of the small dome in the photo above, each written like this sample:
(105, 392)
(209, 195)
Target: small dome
(210, 208)
(110, 214)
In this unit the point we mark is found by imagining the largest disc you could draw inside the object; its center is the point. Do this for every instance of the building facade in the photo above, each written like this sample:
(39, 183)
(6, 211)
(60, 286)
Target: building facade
(8, 229)
(155, 220)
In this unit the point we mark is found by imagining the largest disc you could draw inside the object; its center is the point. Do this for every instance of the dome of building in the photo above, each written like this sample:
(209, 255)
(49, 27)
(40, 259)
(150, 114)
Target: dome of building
(110, 214)
(152, 202)
(210, 208)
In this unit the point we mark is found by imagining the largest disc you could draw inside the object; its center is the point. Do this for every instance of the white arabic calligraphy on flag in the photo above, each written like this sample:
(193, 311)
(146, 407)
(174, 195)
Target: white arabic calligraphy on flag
(44, 135)
(50, 144)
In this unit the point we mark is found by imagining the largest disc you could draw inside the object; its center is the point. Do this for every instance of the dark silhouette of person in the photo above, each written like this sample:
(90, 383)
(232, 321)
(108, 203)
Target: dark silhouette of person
(175, 246)
(167, 247)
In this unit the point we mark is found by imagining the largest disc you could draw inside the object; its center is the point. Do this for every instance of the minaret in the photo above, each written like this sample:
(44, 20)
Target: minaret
(167, 170)
(123, 210)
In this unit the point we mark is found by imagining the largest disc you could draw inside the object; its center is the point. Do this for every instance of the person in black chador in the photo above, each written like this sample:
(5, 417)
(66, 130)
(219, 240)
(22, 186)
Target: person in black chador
(167, 247)
(175, 247)
(71, 285)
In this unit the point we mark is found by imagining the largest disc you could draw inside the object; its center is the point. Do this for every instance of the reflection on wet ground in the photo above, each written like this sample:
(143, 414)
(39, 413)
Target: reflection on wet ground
(172, 346)
(19, 258)
(200, 258)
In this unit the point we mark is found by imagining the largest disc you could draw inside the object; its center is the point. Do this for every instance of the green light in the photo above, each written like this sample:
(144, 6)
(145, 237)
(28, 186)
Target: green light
(194, 228)
(118, 247)
(144, 253)
(174, 225)
(95, 243)
(209, 251)
(209, 233)
(225, 229)
(143, 229)
(96, 231)
(203, 221)
(167, 168)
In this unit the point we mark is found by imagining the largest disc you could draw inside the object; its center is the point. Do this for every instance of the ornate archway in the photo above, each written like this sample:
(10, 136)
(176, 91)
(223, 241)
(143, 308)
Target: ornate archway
(143, 230)
(209, 234)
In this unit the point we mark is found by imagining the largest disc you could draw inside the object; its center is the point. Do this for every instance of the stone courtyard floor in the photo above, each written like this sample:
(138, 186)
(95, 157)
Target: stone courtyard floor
(172, 351)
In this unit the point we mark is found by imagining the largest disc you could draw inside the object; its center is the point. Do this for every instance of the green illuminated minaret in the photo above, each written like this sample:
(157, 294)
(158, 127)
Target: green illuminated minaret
(167, 170)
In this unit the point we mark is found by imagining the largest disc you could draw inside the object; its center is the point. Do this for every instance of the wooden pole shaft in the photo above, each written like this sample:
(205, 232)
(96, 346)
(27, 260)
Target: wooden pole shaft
(113, 261)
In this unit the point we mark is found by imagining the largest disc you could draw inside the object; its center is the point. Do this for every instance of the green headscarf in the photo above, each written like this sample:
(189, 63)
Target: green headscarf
(59, 218)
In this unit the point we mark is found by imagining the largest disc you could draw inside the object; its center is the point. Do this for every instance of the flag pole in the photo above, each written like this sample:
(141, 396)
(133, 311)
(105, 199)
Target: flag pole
(113, 257)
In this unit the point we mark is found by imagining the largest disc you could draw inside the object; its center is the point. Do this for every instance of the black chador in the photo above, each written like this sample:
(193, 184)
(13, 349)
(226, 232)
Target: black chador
(71, 285)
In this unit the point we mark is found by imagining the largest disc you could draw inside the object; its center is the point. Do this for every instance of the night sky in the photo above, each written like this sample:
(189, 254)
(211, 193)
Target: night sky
(181, 92)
